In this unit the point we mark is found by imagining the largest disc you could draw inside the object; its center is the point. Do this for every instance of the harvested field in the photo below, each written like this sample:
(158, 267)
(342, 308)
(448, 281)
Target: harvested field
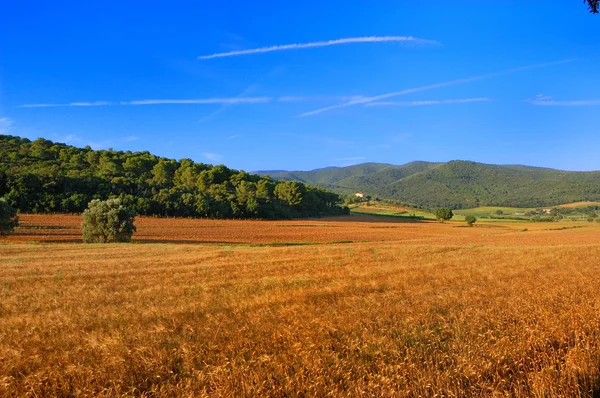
(354, 228)
(391, 309)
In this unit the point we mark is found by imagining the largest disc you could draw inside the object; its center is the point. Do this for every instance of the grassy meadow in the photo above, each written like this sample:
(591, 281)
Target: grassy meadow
(350, 306)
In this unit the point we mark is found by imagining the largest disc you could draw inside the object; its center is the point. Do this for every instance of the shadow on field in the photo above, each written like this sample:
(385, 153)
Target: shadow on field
(189, 242)
(376, 218)
(149, 241)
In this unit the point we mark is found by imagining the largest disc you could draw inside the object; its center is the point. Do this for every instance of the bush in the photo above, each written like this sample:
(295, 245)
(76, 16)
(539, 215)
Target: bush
(470, 219)
(107, 221)
(443, 214)
(8, 218)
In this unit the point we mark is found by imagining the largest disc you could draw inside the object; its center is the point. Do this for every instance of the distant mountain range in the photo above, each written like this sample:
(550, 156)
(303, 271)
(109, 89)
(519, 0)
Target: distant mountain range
(456, 184)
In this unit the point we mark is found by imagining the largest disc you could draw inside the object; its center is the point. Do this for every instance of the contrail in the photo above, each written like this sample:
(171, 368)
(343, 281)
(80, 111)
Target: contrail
(229, 101)
(428, 102)
(565, 103)
(366, 100)
(296, 46)
(246, 100)
(97, 103)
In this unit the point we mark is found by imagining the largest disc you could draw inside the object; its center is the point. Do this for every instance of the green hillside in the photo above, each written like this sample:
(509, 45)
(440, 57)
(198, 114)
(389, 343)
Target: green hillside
(456, 184)
(42, 176)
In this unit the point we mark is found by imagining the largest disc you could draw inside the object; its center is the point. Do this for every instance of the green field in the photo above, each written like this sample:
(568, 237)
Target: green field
(488, 213)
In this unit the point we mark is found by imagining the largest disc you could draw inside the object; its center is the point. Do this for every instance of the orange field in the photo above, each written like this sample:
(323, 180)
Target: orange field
(348, 229)
(351, 306)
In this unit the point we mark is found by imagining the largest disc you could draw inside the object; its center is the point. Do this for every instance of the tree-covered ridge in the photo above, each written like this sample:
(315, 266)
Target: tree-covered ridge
(457, 184)
(42, 176)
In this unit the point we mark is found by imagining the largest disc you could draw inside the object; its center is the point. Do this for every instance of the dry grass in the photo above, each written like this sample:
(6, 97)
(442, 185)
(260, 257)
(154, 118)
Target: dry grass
(580, 204)
(412, 309)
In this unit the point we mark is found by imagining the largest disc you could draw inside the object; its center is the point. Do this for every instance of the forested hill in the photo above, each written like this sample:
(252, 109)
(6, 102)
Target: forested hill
(42, 176)
(456, 184)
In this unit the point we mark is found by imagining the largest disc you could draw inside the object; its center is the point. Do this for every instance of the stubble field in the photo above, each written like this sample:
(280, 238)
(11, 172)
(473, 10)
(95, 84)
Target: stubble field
(343, 307)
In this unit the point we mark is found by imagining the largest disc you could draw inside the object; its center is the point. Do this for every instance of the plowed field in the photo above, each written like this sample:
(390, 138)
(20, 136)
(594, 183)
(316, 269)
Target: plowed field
(355, 228)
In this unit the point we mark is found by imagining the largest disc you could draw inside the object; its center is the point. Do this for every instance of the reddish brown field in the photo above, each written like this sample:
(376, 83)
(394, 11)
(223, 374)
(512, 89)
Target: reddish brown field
(343, 307)
(349, 229)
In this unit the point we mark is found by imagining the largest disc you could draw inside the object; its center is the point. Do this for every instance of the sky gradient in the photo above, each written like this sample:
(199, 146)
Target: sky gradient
(308, 85)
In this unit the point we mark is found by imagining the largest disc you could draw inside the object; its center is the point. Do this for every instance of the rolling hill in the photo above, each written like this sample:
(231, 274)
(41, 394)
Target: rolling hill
(456, 184)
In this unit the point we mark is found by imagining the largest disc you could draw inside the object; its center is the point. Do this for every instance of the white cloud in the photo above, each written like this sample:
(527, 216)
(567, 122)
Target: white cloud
(130, 138)
(431, 102)
(100, 145)
(215, 157)
(236, 100)
(233, 137)
(319, 98)
(68, 139)
(543, 100)
(5, 123)
(82, 104)
(296, 46)
(429, 87)
(226, 105)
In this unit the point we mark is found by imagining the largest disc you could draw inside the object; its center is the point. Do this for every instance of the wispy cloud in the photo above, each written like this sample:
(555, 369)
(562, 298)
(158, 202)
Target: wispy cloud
(215, 157)
(201, 101)
(431, 102)
(225, 101)
(67, 139)
(235, 100)
(319, 98)
(240, 96)
(546, 100)
(367, 100)
(4, 124)
(82, 104)
(107, 143)
(297, 46)
(233, 137)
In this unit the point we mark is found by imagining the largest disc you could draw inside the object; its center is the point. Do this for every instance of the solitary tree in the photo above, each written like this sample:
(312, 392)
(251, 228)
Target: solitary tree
(470, 219)
(443, 214)
(8, 218)
(107, 221)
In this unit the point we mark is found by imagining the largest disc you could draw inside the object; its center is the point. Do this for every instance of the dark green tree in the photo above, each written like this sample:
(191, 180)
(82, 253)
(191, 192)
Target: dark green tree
(8, 218)
(470, 219)
(41, 176)
(443, 214)
(107, 221)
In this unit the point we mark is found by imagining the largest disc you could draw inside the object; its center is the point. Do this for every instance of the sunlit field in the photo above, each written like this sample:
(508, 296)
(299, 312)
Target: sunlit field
(351, 306)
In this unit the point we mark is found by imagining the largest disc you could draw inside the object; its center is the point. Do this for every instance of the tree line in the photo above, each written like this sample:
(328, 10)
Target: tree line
(42, 177)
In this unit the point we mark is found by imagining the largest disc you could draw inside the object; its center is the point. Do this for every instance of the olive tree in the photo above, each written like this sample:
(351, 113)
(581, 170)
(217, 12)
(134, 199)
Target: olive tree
(443, 214)
(107, 221)
(8, 218)
(470, 219)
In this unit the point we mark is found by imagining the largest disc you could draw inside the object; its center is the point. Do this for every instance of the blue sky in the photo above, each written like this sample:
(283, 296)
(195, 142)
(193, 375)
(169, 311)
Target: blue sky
(510, 82)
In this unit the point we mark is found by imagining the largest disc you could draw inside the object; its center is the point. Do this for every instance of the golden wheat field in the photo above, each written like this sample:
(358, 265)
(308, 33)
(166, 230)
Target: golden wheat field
(342, 307)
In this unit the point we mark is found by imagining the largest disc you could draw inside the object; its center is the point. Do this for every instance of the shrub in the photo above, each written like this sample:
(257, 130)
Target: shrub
(107, 221)
(8, 218)
(443, 214)
(470, 219)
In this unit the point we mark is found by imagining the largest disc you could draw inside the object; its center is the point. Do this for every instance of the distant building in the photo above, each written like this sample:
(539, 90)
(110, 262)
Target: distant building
(359, 195)
(547, 211)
